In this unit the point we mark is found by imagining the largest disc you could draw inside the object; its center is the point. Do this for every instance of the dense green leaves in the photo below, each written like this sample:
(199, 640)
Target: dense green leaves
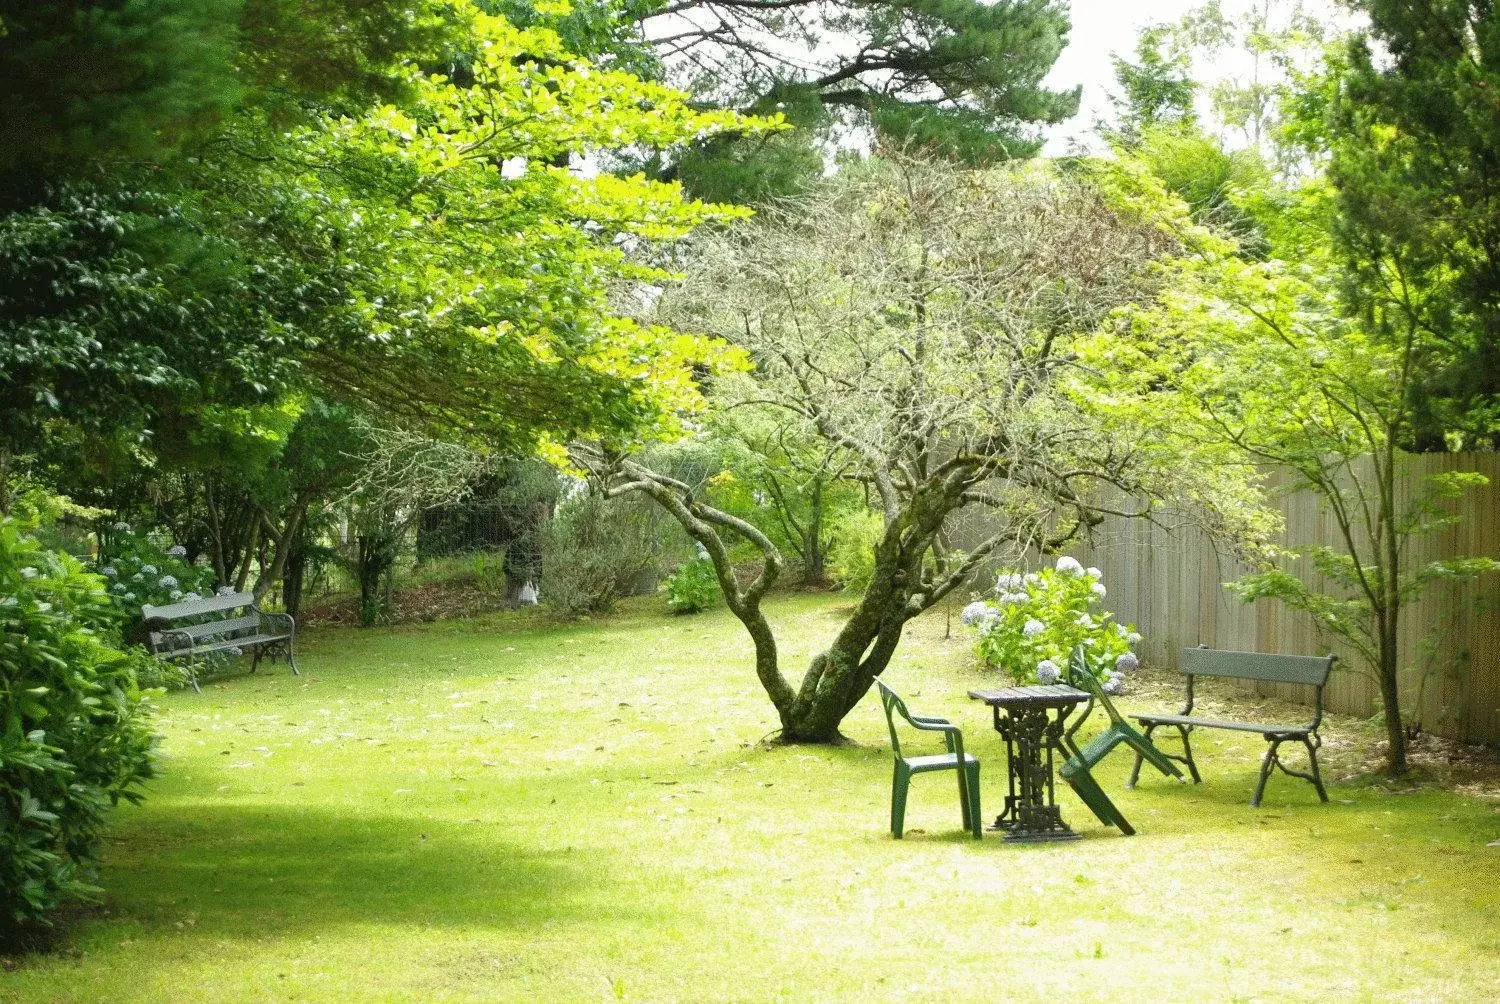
(73, 734)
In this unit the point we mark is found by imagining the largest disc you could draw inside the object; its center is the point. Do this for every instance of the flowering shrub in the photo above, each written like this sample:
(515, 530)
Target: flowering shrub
(1036, 619)
(74, 736)
(694, 587)
(141, 571)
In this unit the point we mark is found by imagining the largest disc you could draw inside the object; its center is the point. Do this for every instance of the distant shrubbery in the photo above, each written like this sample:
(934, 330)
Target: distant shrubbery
(694, 587)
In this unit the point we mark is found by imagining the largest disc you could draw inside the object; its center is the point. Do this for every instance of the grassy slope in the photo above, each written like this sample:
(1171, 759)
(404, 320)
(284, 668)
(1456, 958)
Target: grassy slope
(476, 810)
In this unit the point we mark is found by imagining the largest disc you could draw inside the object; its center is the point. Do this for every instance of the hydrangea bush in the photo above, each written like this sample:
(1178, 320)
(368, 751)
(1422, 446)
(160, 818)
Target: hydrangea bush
(74, 731)
(1036, 619)
(141, 570)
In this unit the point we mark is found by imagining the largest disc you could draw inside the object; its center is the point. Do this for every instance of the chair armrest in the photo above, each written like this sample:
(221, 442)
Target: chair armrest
(928, 720)
(934, 725)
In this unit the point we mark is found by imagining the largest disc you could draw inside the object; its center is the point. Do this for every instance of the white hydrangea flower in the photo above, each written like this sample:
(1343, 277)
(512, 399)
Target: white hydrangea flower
(1011, 599)
(191, 595)
(123, 527)
(1069, 566)
(1133, 638)
(29, 573)
(118, 587)
(128, 596)
(177, 551)
(108, 572)
(1098, 590)
(1031, 579)
(702, 551)
(168, 582)
(149, 569)
(1085, 621)
(974, 613)
(1047, 672)
(138, 577)
(236, 651)
(1121, 630)
(1127, 663)
(225, 590)
(175, 595)
(1033, 628)
(1114, 686)
(1008, 582)
(1093, 573)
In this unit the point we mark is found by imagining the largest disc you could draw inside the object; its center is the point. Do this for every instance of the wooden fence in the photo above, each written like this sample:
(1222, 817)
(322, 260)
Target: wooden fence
(1170, 585)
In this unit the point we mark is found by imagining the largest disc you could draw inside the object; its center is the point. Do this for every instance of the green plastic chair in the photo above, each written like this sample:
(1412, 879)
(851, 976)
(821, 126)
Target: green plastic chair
(1077, 770)
(968, 776)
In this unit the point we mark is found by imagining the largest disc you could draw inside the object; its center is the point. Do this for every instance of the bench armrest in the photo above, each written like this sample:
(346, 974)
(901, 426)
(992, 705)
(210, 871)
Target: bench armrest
(278, 620)
(170, 638)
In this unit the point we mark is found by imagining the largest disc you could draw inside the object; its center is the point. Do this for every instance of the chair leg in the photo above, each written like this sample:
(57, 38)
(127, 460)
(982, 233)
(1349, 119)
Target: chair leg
(976, 817)
(900, 781)
(1267, 764)
(963, 795)
(1187, 752)
(1317, 775)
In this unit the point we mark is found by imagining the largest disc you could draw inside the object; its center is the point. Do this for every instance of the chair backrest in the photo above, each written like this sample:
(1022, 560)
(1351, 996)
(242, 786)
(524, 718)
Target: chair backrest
(1308, 669)
(889, 700)
(1080, 676)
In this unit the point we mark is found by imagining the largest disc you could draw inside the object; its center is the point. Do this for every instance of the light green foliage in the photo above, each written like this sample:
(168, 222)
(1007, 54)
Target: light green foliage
(852, 556)
(1274, 367)
(1158, 88)
(380, 852)
(693, 588)
(73, 734)
(1031, 627)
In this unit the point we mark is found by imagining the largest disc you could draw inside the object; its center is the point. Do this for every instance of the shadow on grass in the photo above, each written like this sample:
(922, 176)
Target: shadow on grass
(210, 871)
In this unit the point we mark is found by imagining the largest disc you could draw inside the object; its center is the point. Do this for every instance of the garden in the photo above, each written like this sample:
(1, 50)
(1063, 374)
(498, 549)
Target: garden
(710, 500)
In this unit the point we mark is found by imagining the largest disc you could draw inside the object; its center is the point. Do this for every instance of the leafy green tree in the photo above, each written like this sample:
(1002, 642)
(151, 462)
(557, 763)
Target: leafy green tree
(1411, 137)
(1266, 359)
(1157, 89)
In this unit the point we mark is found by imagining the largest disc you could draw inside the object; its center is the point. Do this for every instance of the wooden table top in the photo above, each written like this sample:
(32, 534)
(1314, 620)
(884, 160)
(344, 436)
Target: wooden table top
(1055, 695)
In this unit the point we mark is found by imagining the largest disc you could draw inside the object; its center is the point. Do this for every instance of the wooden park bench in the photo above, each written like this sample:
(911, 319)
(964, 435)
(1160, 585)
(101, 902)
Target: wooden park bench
(224, 623)
(1310, 670)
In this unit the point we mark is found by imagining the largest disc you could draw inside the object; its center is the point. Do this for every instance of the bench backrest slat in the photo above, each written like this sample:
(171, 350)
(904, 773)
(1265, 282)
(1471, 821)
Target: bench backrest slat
(197, 608)
(1309, 669)
(216, 629)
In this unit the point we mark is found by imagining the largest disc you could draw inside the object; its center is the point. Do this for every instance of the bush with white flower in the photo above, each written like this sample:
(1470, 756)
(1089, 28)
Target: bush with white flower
(1035, 620)
(141, 570)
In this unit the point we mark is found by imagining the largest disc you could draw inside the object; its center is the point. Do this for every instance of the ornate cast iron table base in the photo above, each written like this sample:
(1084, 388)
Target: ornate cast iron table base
(1032, 733)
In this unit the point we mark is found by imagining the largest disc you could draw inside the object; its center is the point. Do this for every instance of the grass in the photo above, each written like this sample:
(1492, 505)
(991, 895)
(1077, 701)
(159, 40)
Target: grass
(500, 810)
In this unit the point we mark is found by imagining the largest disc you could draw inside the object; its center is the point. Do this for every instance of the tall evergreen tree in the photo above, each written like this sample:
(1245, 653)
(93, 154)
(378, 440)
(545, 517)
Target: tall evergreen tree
(1414, 143)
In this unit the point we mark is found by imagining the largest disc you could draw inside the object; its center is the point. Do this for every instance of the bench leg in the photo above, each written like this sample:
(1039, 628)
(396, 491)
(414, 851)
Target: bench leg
(193, 676)
(1268, 763)
(291, 660)
(1187, 749)
(1317, 775)
(255, 659)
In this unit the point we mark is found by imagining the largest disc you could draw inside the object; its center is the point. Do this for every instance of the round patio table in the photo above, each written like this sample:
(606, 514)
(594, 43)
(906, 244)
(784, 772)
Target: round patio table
(1032, 719)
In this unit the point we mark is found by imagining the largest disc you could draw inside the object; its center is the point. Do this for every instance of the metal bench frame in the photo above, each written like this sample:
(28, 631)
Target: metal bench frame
(214, 627)
(1203, 661)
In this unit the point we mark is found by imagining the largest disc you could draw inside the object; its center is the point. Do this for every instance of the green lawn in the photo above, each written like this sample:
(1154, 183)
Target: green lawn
(493, 810)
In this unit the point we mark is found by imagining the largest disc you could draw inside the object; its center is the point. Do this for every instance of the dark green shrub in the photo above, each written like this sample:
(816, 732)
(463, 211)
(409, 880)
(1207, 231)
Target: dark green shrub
(693, 588)
(596, 550)
(73, 733)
